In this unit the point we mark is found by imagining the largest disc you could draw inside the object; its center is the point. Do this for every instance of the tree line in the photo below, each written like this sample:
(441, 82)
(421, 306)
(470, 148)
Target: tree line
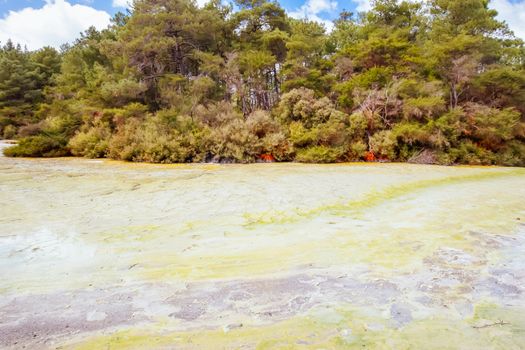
(437, 81)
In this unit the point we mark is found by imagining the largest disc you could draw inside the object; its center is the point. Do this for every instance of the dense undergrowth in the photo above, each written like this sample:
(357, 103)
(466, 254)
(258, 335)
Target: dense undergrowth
(440, 81)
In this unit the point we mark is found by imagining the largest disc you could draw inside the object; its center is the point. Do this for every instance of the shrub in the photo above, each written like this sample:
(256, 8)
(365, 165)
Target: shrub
(357, 151)
(450, 125)
(39, 146)
(149, 141)
(334, 134)
(261, 124)
(4, 122)
(319, 154)
(412, 134)
(93, 143)
(357, 126)
(302, 106)
(268, 131)
(216, 114)
(490, 127)
(301, 136)
(233, 142)
(513, 154)
(423, 107)
(9, 132)
(383, 144)
(471, 154)
(277, 145)
(425, 156)
(30, 130)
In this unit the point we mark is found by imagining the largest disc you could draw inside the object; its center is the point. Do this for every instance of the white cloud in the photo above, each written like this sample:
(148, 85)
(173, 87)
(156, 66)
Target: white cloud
(363, 5)
(56, 23)
(127, 3)
(311, 9)
(121, 3)
(513, 13)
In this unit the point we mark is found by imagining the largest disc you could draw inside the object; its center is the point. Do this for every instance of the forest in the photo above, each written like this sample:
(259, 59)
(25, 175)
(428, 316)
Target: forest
(431, 82)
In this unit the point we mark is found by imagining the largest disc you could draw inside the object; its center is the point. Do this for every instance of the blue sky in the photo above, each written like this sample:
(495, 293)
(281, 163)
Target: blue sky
(38, 23)
(107, 5)
(16, 5)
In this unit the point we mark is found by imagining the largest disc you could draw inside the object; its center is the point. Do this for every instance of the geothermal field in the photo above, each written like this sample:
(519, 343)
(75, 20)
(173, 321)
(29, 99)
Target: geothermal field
(108, 255)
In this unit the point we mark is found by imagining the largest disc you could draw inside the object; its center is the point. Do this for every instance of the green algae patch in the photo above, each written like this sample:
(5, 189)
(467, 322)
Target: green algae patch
(326, 328)
(302, 332)
(371, 199)
(401, 244)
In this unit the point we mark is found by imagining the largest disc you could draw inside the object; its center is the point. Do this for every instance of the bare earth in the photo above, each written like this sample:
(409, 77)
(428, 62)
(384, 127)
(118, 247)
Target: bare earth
(108, 255)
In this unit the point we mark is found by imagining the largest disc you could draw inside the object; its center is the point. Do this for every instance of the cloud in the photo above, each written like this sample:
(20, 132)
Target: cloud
(121, 3)
(363, 5)
(56, 23)
(311, 9)
(127, 3)
(513, 13)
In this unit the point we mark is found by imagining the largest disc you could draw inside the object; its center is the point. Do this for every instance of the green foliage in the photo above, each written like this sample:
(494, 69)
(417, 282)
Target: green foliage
(512, 154)
(383, 144)
(24, 78)
(423, 107)
(232, 138)
(319, 154)
(501, 87)
(39, 146)
(92, 143)
(148, 142)
(439, 81)
(9, 132)
(316, 127)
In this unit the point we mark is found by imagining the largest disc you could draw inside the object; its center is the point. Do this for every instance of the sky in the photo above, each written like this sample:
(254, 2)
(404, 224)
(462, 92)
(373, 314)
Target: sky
(38, 23)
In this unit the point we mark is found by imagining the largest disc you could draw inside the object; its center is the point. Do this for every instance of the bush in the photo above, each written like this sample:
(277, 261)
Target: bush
(302, 106)
(490, 127)
(383, 144)
(148, 141)
(49, 138)
(357, 126)
(513, 154)
(423, 107)
(412, 134)
(4, 122)
(425, 156)
(216, 114)
(471, 154)
(39, 146)
(233, 142)
(30, 130)
(319, 154)
(301, 136)
(9, 132)
(93, 143)
(229, 137)
(357, 151)
(316, 127)
(270, 135)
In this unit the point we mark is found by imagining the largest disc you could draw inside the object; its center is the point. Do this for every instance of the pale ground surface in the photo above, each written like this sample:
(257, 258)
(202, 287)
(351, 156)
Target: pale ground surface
(109, 255)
